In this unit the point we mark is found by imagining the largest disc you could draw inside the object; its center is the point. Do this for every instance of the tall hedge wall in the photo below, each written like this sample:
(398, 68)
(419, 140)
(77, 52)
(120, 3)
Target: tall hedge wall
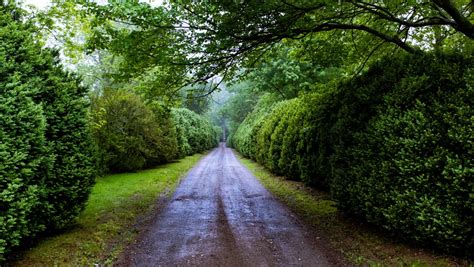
(394, 146)
(407, 162)
(195, 133)
(47, 164)
(245, 137)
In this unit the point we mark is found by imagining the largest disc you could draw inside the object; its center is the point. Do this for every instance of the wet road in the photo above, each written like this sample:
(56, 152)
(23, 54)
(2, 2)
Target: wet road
(220, 215)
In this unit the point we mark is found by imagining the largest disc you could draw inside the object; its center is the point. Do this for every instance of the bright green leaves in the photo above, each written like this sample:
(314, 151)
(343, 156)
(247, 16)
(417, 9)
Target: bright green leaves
(133, 134)
(143, 36)
(194, 132)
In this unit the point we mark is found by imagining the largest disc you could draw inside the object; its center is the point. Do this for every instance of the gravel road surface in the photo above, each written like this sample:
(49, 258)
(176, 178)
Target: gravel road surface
(220, 215)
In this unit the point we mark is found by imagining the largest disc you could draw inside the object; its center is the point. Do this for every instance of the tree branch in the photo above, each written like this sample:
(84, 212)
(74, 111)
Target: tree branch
(462, 23)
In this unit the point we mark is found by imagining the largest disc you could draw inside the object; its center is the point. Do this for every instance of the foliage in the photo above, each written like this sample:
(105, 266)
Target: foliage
(281, 136)
(47, 163)
(117, 201)
(144, 37)
(245, 137)
(180, 44)
(194, 132)
(392, 138)
(240, 102)
(230, 32)
(132, 135)
(288, 71)
(394, 145)
(317, 208)
(407, 164)
(196, 98)
(217, 38)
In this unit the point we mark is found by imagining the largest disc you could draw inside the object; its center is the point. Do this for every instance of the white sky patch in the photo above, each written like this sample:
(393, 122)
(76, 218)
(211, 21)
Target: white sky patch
(42, 4)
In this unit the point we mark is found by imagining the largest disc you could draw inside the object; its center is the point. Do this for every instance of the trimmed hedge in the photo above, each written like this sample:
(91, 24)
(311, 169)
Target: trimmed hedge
(408, 164)
(130, 134)
(195, 134)
(281, 136)
(47, 165)
(394, 146)
(245, 138)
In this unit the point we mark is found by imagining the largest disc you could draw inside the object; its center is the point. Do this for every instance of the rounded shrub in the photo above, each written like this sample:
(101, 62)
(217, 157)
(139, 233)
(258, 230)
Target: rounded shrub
(245, 137)
(282, 137)
(47, 160)
(297, 157)
(132, 135)
(195, 133)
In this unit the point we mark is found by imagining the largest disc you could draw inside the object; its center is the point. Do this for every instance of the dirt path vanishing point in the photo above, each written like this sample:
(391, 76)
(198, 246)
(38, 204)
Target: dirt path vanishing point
(220, 215)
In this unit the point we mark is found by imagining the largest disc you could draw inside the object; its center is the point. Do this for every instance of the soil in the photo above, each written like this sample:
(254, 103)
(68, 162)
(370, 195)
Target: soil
(220, 215)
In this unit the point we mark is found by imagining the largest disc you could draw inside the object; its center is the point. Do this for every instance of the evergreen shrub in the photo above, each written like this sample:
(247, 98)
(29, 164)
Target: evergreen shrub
(195, 133)
(394, 145)
(131, 134)
(47, 158)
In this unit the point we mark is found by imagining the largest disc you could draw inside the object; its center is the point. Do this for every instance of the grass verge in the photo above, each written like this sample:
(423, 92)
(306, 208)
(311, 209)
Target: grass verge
(106, 225)
(359, 242)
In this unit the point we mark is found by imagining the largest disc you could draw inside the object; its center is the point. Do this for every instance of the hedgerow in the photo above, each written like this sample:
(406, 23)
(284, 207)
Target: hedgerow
(47, 160)
(394, 146)
(131, 135)
(282, 136)
(408, 165)
(195, 133)
(245, 138)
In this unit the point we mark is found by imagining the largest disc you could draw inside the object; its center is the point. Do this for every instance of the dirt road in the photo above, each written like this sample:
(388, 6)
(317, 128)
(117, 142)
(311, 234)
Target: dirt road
(221, 215)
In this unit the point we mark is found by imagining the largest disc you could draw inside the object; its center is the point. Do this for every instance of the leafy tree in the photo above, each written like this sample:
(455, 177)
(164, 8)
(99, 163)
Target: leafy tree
(292, 68)
(220, 36)
(241, 102)
(197, 98)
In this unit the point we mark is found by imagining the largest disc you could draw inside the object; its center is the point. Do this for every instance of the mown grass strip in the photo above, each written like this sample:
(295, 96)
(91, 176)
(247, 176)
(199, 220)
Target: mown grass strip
(359, 242)
(107, 223)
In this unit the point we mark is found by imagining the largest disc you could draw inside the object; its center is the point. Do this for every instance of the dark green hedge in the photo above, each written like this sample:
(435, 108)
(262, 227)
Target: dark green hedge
(195, 133)
(131, 135)
(281, 136)
(394, 145)
(404, 149)
(47, 164)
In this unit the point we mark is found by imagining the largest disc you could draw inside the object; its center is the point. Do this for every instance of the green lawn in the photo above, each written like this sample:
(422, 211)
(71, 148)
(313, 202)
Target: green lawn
(359, 242)
(107, 223)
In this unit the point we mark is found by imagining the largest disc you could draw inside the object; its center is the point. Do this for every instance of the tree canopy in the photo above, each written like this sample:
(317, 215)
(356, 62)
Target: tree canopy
(194, 42)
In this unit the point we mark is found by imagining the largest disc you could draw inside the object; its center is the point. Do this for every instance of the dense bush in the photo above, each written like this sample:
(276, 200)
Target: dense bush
(46, 158)
(281, 136)
(407, 165)
(194, 133)
(130, 134)
(245, 138)
(394, 145)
